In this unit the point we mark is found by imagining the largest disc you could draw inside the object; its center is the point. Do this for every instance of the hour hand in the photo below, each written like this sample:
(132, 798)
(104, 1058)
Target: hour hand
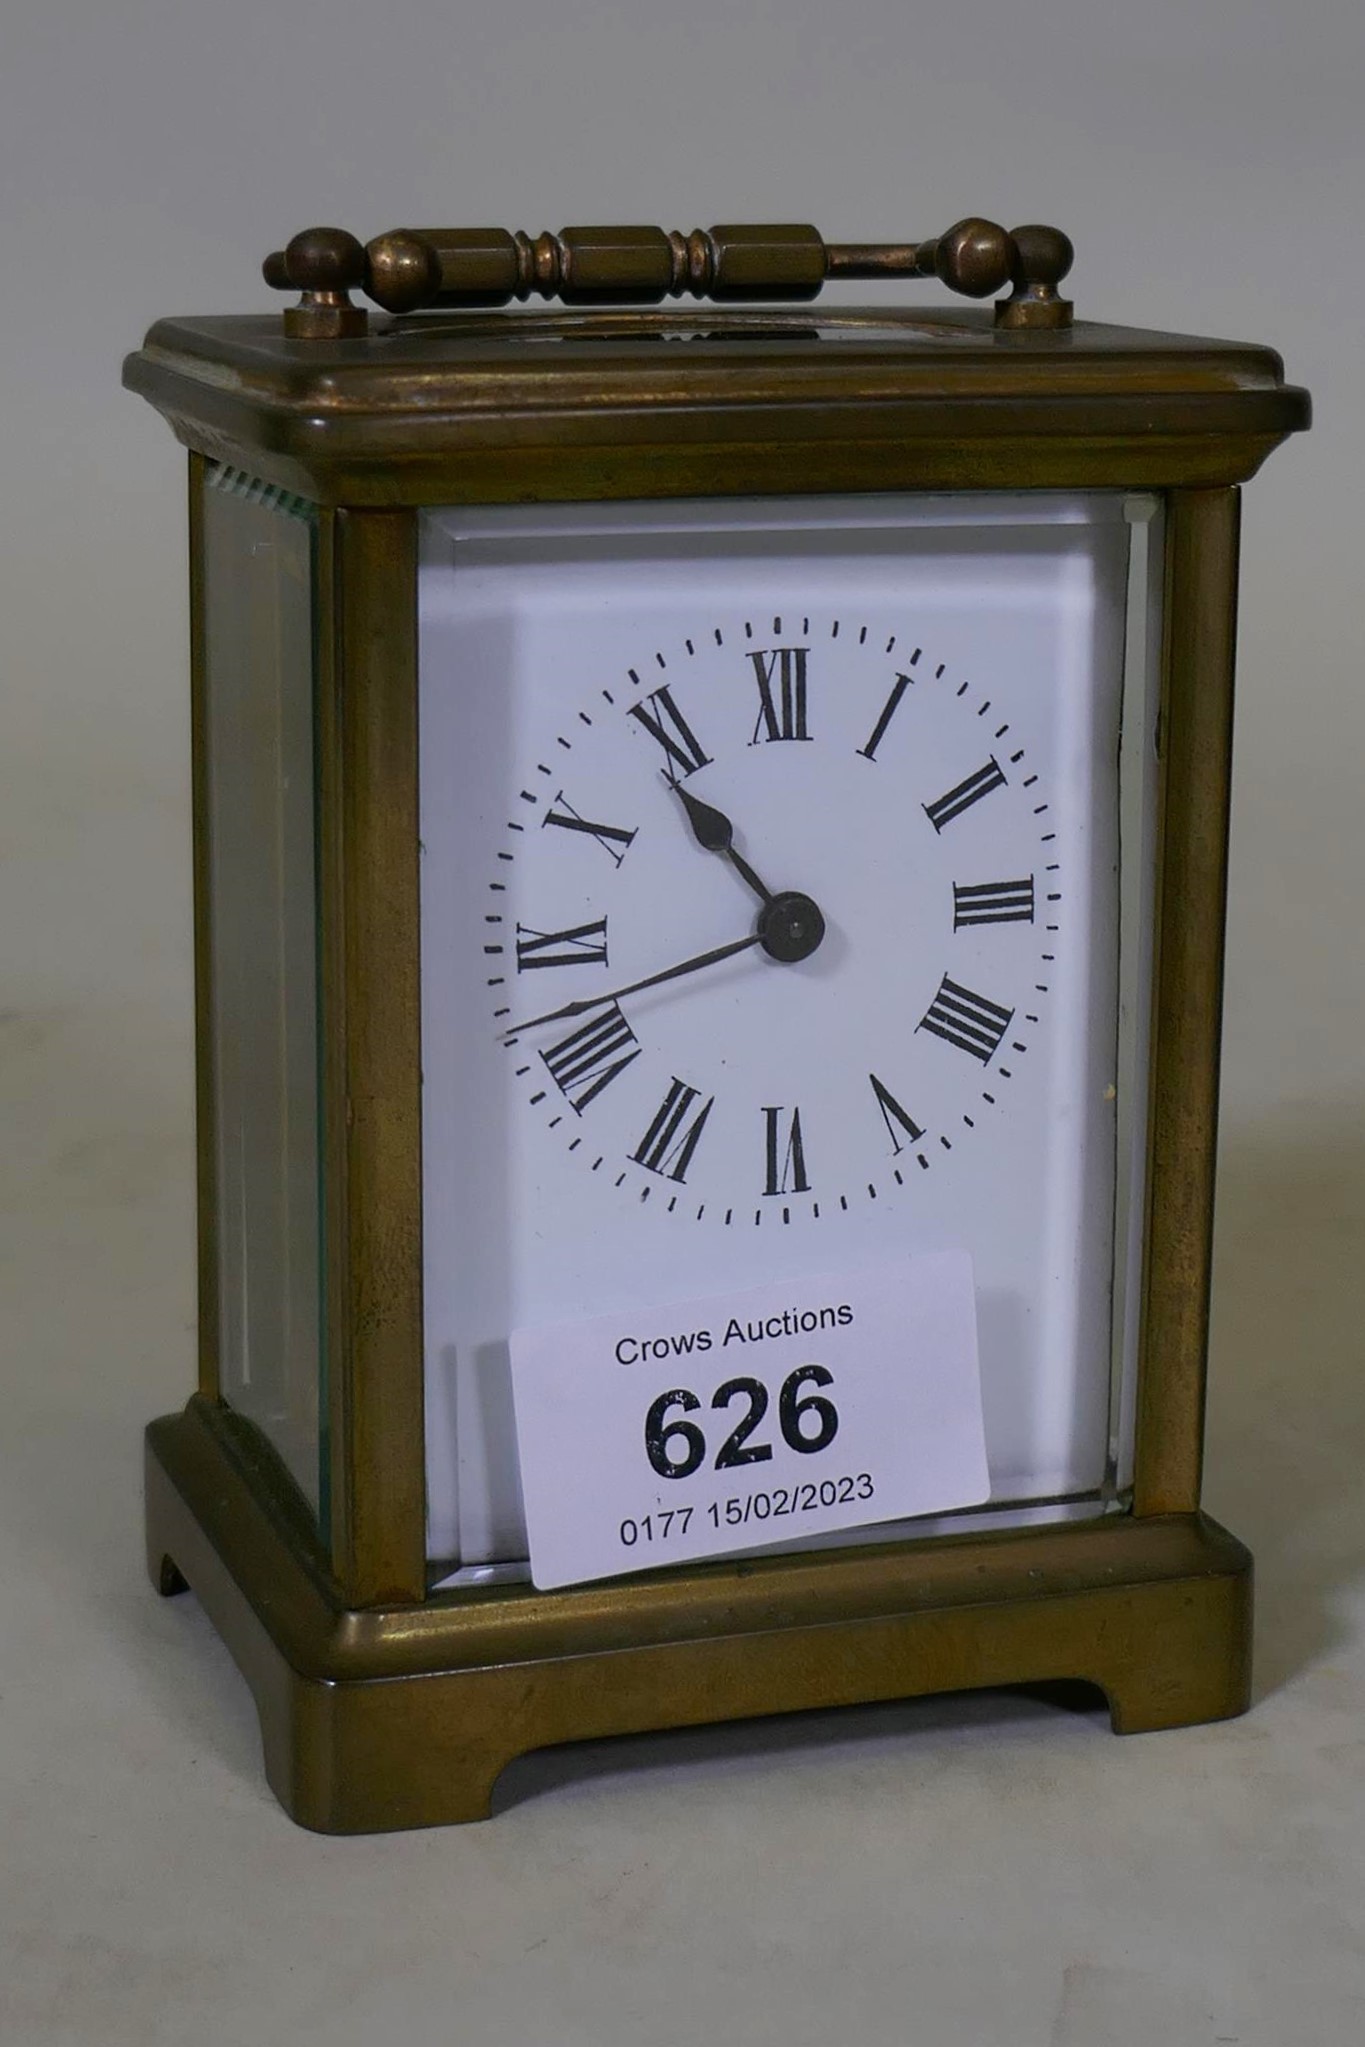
(713, 831)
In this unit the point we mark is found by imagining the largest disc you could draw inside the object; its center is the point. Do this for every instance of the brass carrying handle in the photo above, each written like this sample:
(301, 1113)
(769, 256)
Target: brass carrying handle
(413, 268)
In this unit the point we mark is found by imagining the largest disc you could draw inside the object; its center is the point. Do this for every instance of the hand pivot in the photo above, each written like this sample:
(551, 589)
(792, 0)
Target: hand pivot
(790, 926)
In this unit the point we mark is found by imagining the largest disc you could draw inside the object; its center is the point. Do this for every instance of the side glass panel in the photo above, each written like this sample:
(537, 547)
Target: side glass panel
(258, 639)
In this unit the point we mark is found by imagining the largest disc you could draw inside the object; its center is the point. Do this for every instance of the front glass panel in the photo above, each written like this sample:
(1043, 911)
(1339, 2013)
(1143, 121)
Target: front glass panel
(259, 663)
(931, 713)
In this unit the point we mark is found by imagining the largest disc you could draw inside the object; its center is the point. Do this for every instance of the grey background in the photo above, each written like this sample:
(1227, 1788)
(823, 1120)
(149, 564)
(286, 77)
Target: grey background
(982, 1871)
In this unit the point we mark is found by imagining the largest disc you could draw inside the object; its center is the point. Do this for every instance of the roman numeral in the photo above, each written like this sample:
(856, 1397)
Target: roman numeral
(609, 837)
(583, 945)
(585, 1062)
(671, 1139)
(965, 795)
(993, 902)
(781, 715)
(893, 1114)
(968, 1021)
(786, 1155)
(869, 752)
(668, 726)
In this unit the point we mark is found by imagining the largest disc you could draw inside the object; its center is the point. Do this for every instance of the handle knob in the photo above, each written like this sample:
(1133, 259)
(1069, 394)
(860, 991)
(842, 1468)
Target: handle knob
(325, 264)
(1042, 258)
(975, 258)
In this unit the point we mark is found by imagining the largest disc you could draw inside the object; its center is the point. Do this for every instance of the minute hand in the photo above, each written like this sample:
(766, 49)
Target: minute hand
(692, 966)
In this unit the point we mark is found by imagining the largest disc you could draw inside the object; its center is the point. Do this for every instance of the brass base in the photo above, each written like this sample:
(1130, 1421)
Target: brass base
(404, 1716)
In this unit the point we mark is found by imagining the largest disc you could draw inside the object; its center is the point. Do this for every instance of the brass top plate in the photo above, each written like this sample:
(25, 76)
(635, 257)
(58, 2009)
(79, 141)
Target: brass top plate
(498, 406)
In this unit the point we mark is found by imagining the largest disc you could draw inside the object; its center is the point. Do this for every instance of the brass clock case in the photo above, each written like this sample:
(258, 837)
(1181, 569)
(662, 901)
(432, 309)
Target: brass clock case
(383, 1704)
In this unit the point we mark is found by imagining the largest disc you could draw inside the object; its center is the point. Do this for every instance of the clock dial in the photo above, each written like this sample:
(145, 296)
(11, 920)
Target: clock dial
(770, 928)
(812, 964)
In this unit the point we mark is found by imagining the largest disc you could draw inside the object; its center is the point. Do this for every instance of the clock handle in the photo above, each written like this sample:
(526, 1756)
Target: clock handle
(414, 268)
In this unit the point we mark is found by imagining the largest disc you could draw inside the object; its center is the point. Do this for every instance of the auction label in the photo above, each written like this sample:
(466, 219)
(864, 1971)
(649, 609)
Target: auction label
(766, 1416)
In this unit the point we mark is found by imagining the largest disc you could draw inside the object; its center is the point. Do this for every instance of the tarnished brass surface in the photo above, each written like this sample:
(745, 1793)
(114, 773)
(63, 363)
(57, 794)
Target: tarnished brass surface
(1042, 258)
(404, 1716)
(495, 408)
(326, 264)
(1196, 766)
(371, 1006)
(414, 267)
(206, 1140)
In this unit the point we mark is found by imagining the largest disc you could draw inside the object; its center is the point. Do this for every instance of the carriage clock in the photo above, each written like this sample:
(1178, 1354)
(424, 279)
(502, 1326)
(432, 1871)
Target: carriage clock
(710, 836)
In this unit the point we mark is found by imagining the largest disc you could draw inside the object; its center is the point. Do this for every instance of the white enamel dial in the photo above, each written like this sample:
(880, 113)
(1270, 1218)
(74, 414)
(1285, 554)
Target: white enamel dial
(813, 786)
(637, 723)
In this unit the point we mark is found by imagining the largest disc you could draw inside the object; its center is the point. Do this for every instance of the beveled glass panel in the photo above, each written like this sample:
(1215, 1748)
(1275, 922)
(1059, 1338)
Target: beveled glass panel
(259, 735)
(1035, 621)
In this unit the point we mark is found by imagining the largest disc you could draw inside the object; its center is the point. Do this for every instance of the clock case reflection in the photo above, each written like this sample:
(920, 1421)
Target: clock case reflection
(291, 1492)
